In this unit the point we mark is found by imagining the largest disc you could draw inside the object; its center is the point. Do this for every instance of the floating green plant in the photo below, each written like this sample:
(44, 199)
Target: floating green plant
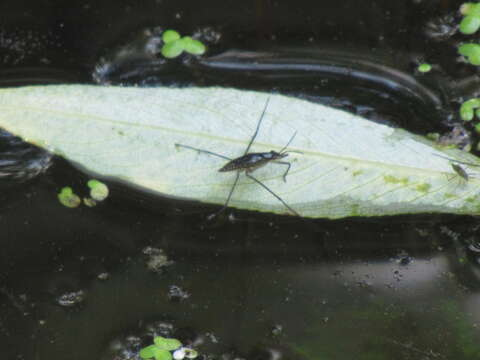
(469, 108)
(68, 198)
(170, 36)
(424, 68)
(471, 21)
(98, 190)
(471, 52)
(175, 45)
(167, 349)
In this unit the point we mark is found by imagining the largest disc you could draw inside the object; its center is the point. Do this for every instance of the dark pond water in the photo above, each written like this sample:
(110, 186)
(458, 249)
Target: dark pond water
(98, 283)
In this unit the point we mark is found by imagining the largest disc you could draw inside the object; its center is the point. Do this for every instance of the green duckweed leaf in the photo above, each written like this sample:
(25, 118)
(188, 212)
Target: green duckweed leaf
(423, 68)
(470, 9)
(470, 24)
(68, 198)
(172, 49)
(154, 352)
(348, 166)
(170, 35)
(161, 354)
(166, 343)
(98, 190)
(193, 46)
(467, 109)
(190, 353)
(148, 352)
(89, 202)
(471, 52)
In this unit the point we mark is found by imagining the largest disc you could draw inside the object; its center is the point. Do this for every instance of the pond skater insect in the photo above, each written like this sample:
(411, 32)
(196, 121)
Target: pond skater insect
(459, 170)
(250, 162)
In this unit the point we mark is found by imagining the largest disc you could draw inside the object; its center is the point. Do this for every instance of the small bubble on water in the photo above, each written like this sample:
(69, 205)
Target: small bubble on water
(72, 298)
(403, 258)
(277, 330)
(208, 35)
(123, 349)
(441, 28)
(103, 276)
(176, 293)
(212, 337)
(474, 247)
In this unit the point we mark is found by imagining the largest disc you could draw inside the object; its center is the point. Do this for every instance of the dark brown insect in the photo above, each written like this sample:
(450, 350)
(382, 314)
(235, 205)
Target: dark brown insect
(250, 162)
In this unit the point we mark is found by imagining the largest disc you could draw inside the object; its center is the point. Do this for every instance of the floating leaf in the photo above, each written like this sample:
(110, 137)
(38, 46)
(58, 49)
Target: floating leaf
(166, 343)
(154, 352)
(470, 9)
(193, 46)
(170, 35)
(470, 24)
(98, 190)
(172, 49)
(471, 52)
(190, 353)
(161, 354)
(423, 68)
(349, 166)
(148, 352)
(467, 110)
(89, 202)
(68, 198)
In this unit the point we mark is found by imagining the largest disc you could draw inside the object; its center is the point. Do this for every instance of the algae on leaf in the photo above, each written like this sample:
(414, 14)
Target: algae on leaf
(349, 166)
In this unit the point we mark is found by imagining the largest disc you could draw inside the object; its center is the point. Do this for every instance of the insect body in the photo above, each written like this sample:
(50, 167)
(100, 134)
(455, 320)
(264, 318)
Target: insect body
(253, 161)
(460, 171)
(250, 162)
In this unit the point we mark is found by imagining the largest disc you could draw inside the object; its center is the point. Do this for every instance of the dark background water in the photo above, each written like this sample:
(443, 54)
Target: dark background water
(75, 282)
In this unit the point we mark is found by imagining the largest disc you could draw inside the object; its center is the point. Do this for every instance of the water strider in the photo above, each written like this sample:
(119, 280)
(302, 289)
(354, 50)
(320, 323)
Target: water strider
(250, 162)
(459, 170)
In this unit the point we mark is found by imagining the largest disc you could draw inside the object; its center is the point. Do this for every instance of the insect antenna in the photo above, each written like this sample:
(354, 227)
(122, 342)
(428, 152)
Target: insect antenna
(288, 143)
(457, 161)
(258, 127)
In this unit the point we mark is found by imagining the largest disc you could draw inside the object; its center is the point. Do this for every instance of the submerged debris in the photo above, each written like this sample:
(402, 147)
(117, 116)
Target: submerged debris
(157, 259)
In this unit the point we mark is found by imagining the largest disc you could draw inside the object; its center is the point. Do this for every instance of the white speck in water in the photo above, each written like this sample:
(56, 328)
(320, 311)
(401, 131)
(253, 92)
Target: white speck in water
(176, 293)
(179, 354)
(157, 259)
(72, 298)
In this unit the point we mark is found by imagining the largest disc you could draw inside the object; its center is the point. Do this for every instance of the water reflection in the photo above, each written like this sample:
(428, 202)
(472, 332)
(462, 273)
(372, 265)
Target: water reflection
(254, 288)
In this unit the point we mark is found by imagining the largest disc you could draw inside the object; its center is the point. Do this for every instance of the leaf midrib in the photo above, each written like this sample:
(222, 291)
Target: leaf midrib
(229, 140)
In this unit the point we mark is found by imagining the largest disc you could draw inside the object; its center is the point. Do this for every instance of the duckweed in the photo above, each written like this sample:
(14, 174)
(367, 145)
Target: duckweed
(68, 198)
(471, 51)
(471, 21)
(175, 45)
(424, 68)
(98, 190)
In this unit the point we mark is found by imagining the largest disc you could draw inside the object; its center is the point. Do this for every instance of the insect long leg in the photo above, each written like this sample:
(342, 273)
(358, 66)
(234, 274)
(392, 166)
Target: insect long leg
(203, 151)
(271, 192)
(230, 194)
(258, 127)
(288, 168)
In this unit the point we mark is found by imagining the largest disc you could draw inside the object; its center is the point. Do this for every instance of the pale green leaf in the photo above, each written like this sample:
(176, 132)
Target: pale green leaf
(166, 343)
(349, 167)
